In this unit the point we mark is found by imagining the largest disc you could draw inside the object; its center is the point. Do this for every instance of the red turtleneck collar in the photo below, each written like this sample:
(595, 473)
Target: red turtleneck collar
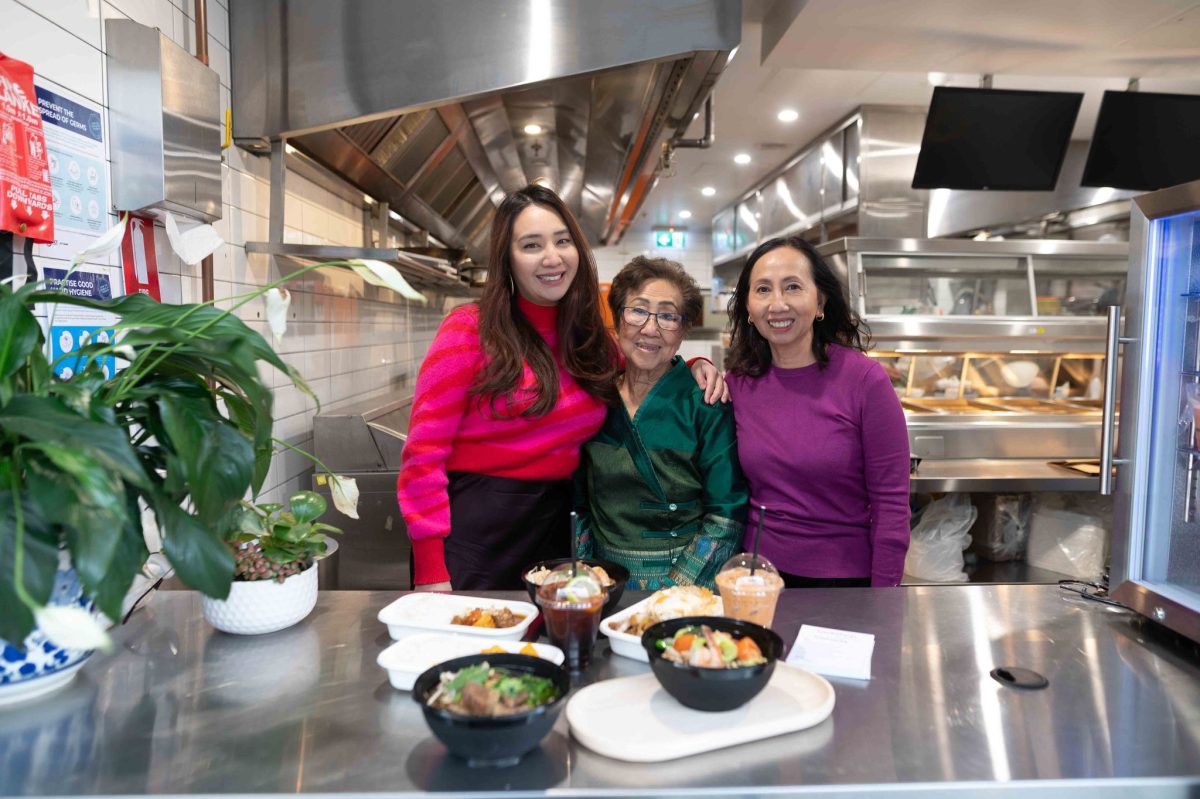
(542, 317)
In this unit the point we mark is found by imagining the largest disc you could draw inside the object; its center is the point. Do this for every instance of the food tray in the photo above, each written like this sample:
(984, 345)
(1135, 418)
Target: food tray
(406, 659)
(627, 645)
(422, 612)
(599, 716)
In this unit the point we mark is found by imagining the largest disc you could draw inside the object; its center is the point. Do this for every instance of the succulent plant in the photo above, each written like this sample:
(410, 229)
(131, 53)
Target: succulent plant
(270, 542)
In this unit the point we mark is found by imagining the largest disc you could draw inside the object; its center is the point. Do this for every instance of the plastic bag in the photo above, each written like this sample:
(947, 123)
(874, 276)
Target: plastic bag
(935, 549)
(1004, 527)
(1067, 541)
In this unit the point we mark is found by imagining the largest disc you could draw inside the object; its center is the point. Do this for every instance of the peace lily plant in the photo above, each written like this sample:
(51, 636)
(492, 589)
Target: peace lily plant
(183, 429)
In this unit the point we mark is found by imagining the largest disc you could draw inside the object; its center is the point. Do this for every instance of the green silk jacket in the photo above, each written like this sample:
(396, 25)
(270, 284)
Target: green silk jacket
(663, 494)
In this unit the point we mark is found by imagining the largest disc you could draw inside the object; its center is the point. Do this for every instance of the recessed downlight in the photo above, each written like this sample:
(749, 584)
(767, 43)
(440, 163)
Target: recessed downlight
(742, 158)
(533, 129)
(788, 115)
(685, 214)
(708, 191)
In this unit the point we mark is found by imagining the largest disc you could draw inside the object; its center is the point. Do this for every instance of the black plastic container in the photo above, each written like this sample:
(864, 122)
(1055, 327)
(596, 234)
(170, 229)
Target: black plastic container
(488, 740)
(713, 689)
(618, 573)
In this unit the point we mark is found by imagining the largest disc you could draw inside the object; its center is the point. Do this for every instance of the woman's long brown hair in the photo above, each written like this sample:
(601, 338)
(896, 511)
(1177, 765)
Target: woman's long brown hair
(588, 350)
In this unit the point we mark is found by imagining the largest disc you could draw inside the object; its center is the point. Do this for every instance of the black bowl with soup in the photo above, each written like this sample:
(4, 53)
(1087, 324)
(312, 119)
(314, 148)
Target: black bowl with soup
(479, 728)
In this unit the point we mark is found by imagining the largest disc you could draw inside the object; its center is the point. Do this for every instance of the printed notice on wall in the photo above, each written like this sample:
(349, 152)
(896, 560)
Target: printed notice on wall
(78, 171)
(71, 327)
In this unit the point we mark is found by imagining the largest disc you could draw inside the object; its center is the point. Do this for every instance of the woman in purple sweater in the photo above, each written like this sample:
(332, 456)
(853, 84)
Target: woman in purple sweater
(821, 435)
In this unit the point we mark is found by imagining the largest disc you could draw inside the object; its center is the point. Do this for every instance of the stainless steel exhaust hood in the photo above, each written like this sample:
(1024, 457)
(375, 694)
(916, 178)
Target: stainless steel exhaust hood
(440, 108)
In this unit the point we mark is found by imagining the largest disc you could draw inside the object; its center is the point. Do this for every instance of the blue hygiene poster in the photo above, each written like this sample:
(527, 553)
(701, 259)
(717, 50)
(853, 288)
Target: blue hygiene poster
(71, 328)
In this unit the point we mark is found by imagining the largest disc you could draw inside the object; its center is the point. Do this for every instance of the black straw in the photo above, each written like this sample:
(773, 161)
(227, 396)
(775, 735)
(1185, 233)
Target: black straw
(762, 511)
(575, 542)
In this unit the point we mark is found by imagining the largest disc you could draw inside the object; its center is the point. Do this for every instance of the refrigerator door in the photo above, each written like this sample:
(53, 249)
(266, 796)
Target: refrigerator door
(1156, 539)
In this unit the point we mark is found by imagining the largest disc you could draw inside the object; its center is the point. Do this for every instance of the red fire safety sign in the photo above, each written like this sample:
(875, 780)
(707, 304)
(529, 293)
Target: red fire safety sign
(137, 257)
(27, 208)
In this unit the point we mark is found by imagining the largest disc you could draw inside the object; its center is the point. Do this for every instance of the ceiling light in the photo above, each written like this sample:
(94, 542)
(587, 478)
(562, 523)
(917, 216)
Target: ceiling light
(685, 214)
(788, 115)
(708, 191)
(936, 78)
(742, 158)
(533, 129)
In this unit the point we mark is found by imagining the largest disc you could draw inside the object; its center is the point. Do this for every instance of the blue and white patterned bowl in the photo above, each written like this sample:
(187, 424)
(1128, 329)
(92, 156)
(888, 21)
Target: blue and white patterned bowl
(43, 666)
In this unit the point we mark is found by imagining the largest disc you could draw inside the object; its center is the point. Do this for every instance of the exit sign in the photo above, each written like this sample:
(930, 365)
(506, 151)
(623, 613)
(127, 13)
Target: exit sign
(670, 239)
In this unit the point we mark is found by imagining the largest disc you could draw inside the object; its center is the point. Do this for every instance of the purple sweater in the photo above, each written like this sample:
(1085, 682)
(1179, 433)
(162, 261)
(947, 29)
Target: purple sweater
(826, 451)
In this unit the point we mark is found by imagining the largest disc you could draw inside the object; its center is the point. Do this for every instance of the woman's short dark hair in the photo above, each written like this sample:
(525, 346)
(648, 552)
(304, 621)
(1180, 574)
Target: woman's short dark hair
(642, 270)
(749, 352)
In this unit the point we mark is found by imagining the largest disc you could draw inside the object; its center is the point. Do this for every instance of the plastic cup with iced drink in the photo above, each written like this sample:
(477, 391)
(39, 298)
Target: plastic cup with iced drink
(750, 595)
(571, 599)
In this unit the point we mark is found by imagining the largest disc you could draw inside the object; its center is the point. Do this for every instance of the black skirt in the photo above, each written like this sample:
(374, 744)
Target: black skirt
(500, 526)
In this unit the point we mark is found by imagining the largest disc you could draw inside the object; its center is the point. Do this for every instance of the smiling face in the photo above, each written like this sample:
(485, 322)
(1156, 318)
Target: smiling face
(543, 255)
(648, 348)
(783, 303)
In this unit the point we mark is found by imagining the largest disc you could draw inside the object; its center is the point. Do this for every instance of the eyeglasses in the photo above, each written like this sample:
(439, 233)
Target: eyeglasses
(667, 320)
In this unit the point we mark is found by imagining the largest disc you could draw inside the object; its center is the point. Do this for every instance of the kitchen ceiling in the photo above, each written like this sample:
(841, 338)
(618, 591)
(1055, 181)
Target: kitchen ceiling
(824, 58)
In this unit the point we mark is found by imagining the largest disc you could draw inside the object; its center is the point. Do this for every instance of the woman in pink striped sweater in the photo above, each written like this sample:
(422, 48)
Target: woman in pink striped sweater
(508, 392)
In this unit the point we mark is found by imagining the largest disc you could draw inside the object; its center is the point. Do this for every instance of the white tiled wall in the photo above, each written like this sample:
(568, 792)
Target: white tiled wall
(349, 340)
(696, 257)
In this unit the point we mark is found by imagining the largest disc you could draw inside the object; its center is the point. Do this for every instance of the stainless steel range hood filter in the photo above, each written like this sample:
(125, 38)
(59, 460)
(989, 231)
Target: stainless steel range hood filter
(439, 109)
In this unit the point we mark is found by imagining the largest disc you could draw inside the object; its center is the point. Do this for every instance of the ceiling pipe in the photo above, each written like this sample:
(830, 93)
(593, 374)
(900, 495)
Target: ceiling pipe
(705, 141)
(206, 266)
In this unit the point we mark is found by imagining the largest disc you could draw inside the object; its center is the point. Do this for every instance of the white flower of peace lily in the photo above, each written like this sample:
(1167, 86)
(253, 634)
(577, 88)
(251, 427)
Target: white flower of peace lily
(194, 244)
(278, 302)
(345, 495)
(377, 273)
(105, 243)
(73, 627)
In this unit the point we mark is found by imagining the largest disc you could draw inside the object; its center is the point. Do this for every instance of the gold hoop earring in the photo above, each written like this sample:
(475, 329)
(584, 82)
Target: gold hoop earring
(821, 317)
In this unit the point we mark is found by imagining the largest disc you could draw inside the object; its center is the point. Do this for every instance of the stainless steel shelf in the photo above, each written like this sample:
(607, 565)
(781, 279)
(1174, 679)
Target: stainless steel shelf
(419, 274)
(994, 475)
(322, 252)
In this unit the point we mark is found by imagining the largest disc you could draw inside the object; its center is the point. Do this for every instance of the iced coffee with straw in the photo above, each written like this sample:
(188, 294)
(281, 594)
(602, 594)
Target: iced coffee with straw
(749, 586)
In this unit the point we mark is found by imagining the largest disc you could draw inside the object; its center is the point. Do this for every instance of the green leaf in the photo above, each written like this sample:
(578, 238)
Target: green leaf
(19, 334)
(127, 559)
(307, 505)
(222, 476)
(183, 423)
(41, 563)
(199, 556)
(48, 420)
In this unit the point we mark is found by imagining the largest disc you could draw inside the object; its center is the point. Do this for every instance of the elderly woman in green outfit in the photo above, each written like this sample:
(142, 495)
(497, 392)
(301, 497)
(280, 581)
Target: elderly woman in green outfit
(659, 489)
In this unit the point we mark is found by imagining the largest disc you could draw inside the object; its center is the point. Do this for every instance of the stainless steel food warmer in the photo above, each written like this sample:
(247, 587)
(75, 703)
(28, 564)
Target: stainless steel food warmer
(996, 350)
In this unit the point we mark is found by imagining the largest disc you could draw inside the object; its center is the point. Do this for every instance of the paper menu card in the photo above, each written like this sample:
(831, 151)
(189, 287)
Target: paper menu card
(833, 653)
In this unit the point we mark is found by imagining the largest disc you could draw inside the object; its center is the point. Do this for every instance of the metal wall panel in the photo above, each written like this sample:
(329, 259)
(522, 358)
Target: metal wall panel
(165, 125)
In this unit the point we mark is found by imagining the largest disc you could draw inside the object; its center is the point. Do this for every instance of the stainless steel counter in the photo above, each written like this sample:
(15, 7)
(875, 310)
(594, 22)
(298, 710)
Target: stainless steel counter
(178, 708)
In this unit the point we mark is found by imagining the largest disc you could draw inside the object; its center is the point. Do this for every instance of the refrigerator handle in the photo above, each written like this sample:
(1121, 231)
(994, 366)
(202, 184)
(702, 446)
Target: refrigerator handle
(1108, 422)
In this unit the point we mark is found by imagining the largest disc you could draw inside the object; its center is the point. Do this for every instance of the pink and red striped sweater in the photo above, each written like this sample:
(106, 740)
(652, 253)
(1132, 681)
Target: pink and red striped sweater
(449, 431)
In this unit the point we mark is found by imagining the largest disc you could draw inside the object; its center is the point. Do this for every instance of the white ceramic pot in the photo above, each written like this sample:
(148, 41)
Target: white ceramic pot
(263, 606)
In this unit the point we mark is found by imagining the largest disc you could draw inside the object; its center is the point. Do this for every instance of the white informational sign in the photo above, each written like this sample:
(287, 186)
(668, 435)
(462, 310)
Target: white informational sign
(78, 172)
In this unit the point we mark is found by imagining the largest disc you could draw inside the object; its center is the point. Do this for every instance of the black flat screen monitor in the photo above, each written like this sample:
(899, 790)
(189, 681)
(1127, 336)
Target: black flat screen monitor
(997, 139)
(1145, 141)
